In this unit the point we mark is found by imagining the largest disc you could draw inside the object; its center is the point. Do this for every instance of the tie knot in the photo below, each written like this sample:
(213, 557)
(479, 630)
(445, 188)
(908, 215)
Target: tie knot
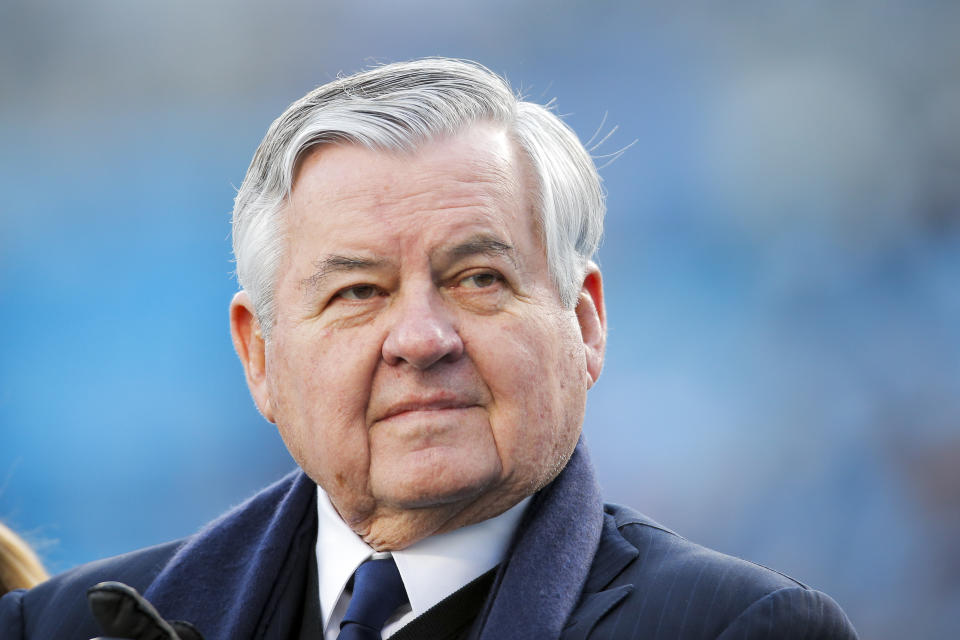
(377, 592)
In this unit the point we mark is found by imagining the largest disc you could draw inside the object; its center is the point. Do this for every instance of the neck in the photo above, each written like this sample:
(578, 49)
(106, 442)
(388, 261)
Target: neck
(389, 529)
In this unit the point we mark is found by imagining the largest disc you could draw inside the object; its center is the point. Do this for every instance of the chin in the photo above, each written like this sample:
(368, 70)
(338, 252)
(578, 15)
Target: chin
(433, 491)
(434, 477)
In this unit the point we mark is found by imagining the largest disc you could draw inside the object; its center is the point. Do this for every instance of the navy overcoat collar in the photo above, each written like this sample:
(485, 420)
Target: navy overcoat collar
(243, 576)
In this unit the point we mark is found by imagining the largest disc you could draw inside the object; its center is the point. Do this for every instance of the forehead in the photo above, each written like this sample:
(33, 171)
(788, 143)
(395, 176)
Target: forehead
(475, 178)
(482, 151)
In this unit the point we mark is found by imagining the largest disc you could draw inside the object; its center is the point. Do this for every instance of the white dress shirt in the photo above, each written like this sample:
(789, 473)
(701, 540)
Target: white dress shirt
(432, 568)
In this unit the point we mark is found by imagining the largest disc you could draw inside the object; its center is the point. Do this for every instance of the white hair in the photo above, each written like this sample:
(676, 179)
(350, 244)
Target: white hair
(398, 107)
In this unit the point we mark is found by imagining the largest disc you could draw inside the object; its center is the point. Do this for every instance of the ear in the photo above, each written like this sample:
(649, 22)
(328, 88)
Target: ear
(252, 350)
(593, 321)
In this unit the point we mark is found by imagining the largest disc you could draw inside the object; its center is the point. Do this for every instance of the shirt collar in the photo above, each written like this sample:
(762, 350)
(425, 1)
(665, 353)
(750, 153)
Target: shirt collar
(431, 568)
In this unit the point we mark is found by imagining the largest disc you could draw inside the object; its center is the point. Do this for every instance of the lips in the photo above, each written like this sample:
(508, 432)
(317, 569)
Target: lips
(426, 404)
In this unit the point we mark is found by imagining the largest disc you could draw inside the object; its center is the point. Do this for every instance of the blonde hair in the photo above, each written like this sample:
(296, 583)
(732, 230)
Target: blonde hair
(19, 566)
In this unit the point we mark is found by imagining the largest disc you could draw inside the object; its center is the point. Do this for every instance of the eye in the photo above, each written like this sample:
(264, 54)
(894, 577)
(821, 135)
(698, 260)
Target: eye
(480, 280)
(358, 292)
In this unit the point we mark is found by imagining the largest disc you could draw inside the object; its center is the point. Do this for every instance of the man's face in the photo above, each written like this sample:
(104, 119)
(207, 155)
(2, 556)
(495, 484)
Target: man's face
(422, 369)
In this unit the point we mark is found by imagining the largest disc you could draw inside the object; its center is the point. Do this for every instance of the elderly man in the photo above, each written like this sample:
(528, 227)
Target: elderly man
(421, 319)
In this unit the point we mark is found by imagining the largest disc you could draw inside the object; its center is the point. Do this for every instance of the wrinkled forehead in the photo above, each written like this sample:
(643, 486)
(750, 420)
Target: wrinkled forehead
(484, 152)
(477, 133)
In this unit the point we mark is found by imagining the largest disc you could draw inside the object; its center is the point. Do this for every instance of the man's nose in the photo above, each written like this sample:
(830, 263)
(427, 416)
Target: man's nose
(422, 332)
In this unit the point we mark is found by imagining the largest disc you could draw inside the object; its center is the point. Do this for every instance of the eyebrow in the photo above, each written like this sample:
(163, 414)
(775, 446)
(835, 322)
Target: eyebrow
(483, 245)
(337, 264)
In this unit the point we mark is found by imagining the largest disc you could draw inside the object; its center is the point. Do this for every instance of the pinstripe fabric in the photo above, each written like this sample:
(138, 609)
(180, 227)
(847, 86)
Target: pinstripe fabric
(671, 588)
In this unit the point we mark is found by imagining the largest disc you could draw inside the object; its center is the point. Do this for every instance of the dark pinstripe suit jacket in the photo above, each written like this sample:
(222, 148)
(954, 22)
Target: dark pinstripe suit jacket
(576, 569)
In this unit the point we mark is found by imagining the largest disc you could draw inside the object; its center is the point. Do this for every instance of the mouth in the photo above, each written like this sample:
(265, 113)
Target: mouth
(410, 406)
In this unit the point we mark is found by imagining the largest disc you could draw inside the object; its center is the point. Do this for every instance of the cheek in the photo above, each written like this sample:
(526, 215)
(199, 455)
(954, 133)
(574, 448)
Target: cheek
(320, 387)
(540, 395)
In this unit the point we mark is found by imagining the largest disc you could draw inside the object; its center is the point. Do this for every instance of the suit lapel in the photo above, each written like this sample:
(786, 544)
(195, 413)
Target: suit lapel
(591, 608)
(613, 555)
(539, 584)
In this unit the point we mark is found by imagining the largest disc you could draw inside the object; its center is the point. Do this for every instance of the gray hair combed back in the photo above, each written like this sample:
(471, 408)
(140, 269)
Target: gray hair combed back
(397, 107)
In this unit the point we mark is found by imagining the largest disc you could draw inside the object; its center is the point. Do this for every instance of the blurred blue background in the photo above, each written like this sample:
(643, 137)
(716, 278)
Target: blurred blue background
(782, 265)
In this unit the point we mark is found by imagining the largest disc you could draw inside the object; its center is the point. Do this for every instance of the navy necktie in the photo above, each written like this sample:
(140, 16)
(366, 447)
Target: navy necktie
(377, 593)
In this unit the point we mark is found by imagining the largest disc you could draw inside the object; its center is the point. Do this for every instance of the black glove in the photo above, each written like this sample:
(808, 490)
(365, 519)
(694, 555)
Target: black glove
(124, 613)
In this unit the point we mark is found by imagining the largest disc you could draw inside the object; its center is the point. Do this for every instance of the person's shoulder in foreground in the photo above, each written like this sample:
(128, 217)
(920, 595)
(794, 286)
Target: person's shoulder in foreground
(421, 318)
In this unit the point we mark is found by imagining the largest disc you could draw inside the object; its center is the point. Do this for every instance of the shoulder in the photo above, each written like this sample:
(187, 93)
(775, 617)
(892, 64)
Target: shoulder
(57, 608)
(683, 560)
(675, 588)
